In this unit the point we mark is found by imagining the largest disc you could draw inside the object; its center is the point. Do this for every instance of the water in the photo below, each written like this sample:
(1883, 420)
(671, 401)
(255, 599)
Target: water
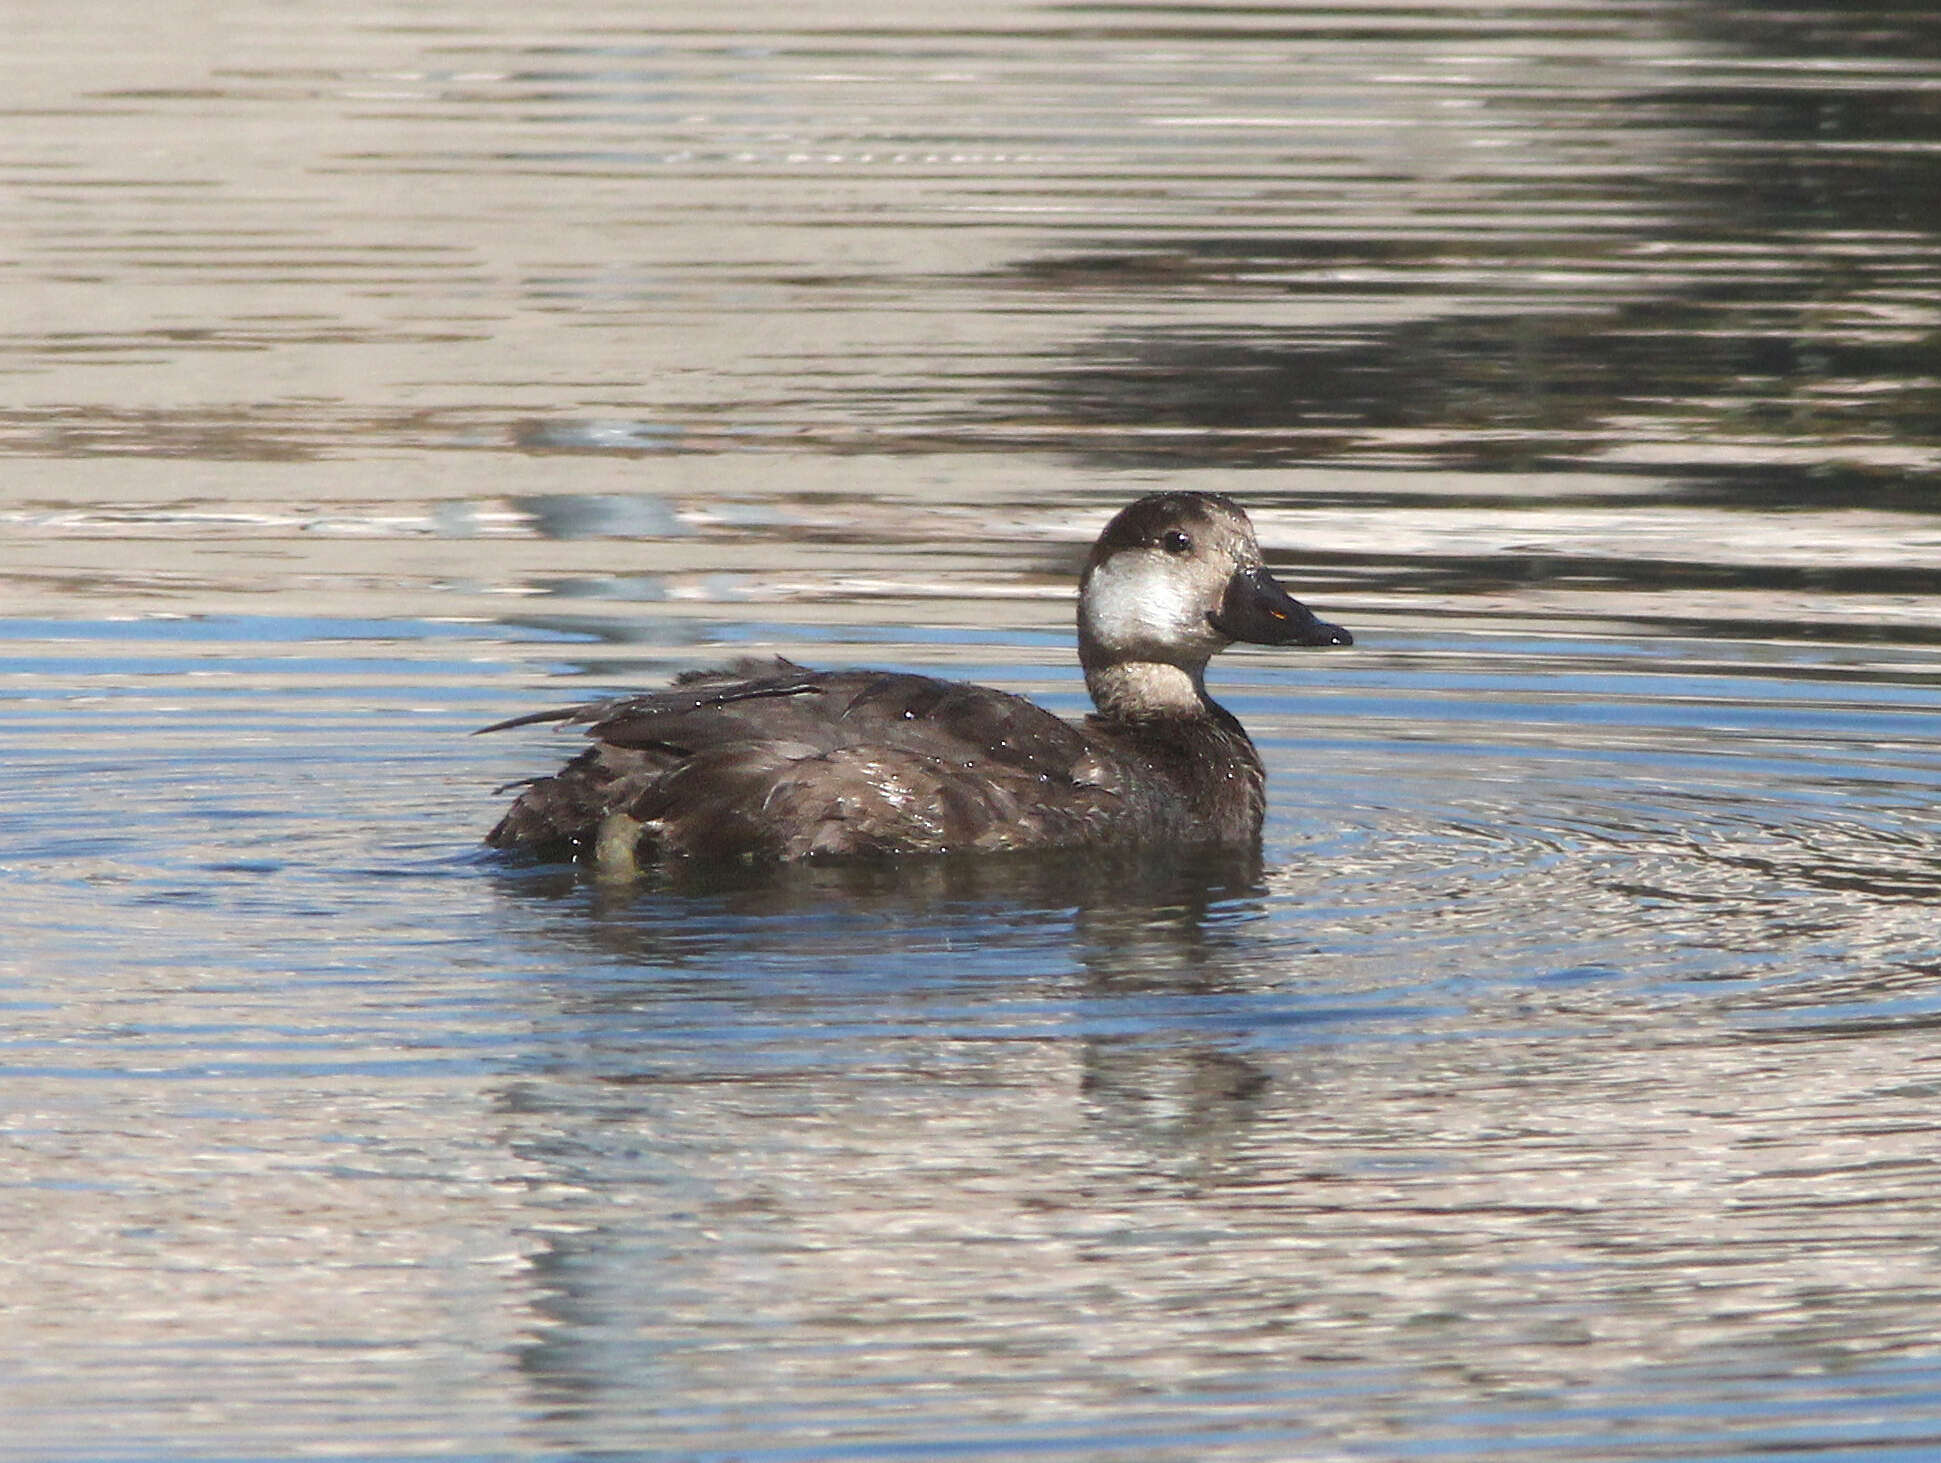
(1560, 1082)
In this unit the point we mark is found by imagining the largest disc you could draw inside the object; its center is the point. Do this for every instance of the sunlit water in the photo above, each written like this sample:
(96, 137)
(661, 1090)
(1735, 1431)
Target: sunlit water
(1559, 1083)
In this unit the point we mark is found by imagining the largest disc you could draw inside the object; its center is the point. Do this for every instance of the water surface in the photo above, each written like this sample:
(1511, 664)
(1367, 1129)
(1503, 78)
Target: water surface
(1559, 1080)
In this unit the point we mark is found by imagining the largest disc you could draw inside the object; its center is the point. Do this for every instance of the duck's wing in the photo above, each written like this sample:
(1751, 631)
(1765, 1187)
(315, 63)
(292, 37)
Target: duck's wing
(770, 760)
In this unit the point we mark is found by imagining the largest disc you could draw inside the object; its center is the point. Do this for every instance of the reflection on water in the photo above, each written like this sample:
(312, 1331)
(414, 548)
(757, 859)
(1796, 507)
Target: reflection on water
(1194, 1157)
(1558, 1082)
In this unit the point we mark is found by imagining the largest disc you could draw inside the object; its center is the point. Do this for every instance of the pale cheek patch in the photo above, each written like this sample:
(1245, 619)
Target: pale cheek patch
(1131, 602)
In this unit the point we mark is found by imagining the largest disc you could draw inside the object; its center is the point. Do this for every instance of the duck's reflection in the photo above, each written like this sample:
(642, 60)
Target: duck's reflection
(1123, 916)
(785, 1068)
(904, 956)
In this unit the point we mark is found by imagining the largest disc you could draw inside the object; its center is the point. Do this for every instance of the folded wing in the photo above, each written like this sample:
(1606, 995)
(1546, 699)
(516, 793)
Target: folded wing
(768, 759)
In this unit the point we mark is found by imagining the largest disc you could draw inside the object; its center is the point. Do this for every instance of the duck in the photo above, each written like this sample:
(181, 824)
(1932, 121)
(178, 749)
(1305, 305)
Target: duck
(767, 760)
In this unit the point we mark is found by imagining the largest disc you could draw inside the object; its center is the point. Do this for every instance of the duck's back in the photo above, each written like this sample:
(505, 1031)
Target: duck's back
(767, 759)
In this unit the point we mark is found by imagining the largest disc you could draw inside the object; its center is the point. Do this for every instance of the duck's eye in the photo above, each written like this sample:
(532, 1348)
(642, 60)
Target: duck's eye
(1177, 542)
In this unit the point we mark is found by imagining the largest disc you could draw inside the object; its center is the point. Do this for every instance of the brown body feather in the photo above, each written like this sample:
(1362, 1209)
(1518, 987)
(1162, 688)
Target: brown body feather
(766, 759)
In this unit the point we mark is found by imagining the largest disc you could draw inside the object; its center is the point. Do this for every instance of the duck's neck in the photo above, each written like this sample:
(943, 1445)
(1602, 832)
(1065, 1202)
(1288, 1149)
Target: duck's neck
(1145, 690)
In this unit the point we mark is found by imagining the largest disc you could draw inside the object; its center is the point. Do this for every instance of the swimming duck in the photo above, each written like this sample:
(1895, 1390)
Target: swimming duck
(764, 759)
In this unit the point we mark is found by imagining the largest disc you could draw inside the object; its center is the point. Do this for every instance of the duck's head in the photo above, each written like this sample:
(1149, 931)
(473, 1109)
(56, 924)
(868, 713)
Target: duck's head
(1174, 579)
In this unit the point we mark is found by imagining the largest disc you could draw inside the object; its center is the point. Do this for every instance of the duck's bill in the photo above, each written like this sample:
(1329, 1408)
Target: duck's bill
(1256, 609)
